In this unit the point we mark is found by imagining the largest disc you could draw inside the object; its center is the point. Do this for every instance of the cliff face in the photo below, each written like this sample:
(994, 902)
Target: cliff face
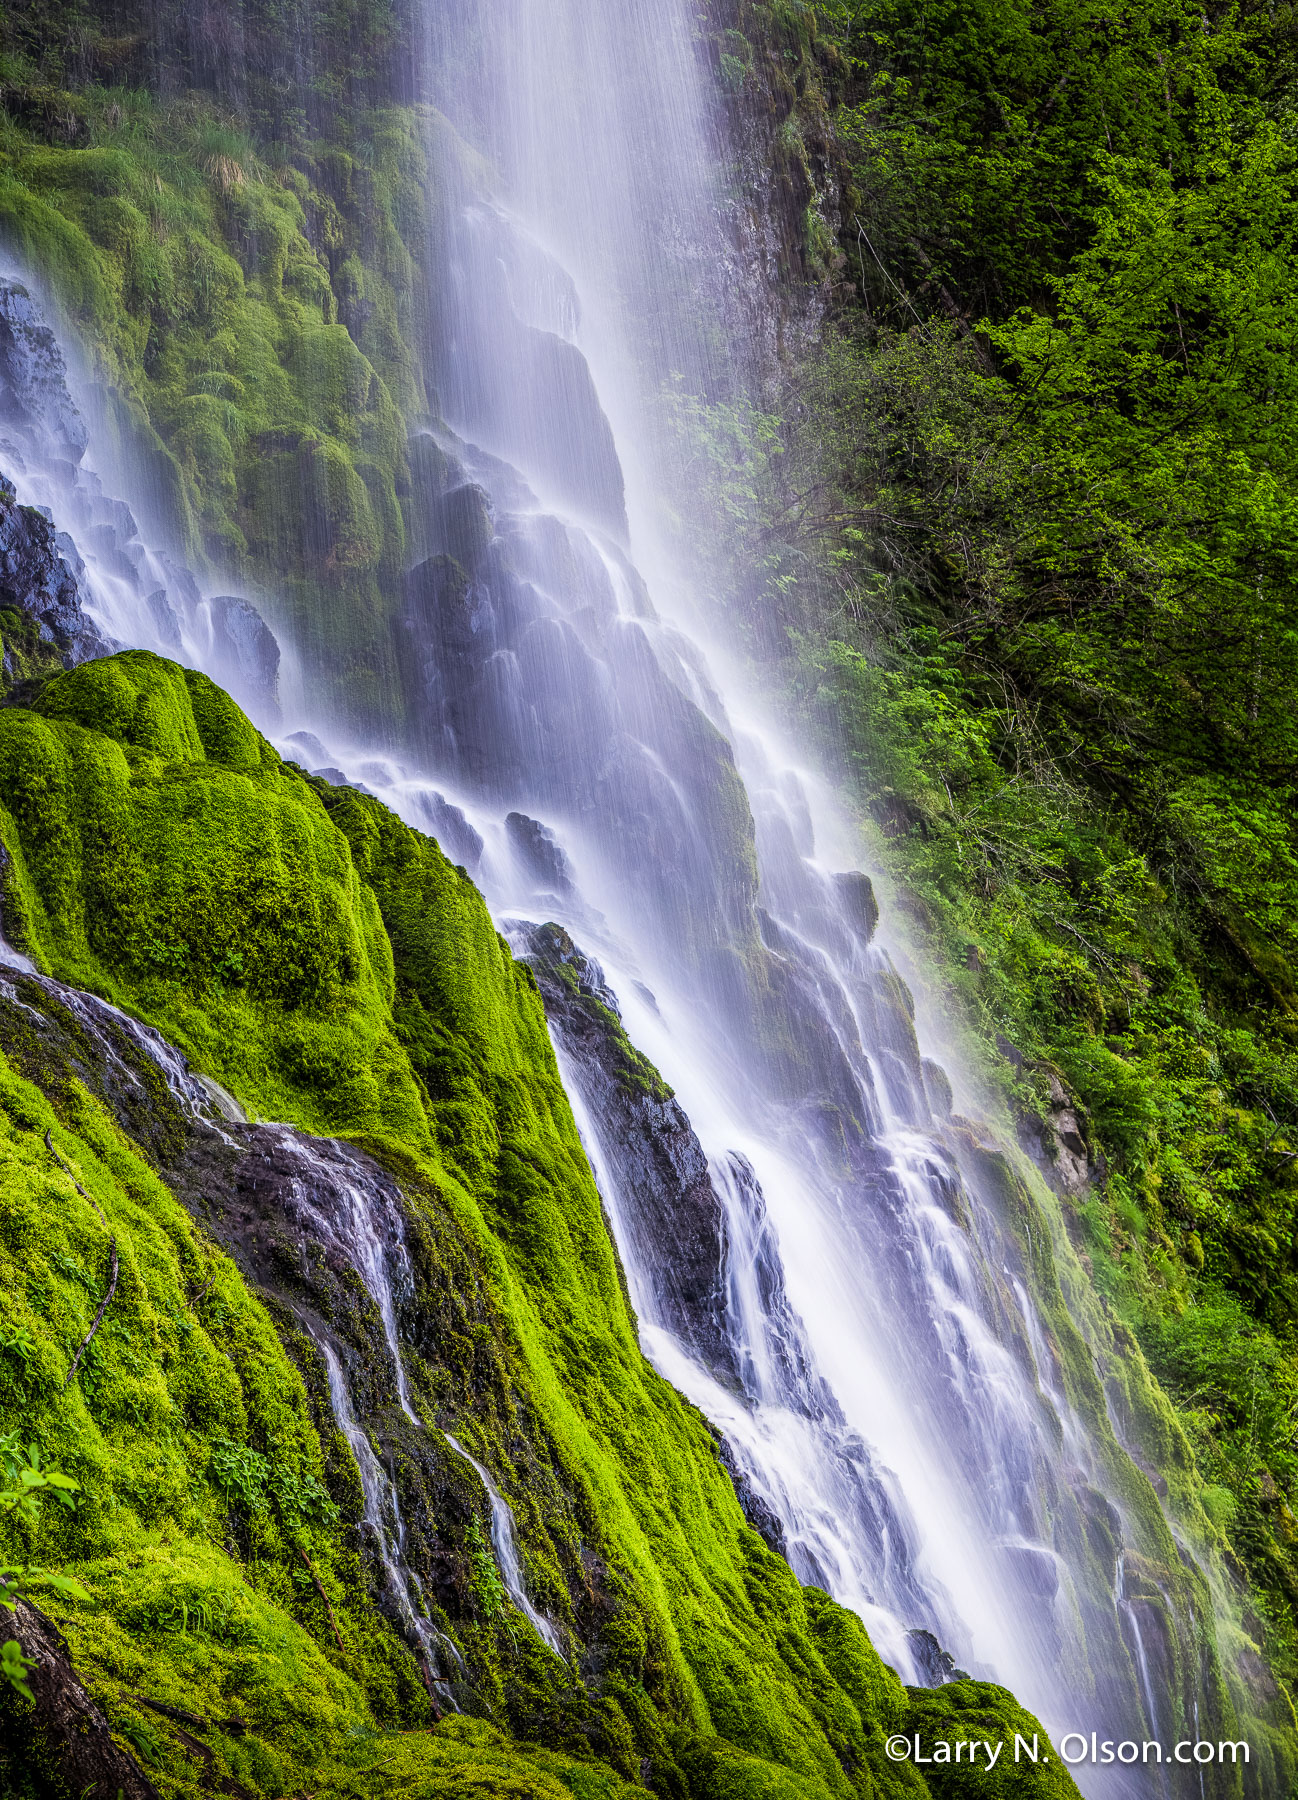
(293, 1569)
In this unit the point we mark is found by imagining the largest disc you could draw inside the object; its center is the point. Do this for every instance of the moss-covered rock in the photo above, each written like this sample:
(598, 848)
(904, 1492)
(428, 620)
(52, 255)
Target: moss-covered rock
(251, 319)
(328, 965)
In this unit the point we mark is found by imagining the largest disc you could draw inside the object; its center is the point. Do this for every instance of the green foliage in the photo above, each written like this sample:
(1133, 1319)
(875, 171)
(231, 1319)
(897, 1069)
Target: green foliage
(251, 1482)
(24, 1480)
(975, 130)
(488, 1588)
(1023, 528)
(142, 1738)
(15, 1667)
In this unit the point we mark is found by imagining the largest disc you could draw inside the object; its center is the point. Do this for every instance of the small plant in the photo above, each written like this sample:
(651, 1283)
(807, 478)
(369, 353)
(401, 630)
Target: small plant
(19, 1349)
(142, 1738)
(299, 1495)
(15, 1667)
(24, 1482)
(488, 1588)
(189, 1615)
(72, 1269)
(170, 959)
(250, 1480)
(20, 1344)
(25, 1478)
(241, 1474)
(229, 968)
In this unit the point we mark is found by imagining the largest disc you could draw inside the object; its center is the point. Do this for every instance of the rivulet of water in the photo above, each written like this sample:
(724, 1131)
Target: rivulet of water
(505, 1545)
(387, 1532)
(365, 1223)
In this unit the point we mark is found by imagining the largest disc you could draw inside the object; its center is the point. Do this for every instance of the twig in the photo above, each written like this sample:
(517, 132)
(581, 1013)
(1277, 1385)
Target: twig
(112, 1275)
(206, 1288)
(319, 1588)
(99, 1317)
(177, 1713)
(76, 1184)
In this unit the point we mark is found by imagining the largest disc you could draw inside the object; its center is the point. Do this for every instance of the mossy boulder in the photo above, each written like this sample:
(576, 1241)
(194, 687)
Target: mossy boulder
(325, 963)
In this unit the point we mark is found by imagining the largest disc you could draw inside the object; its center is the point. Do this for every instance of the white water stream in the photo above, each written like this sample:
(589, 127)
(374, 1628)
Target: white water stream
(368, 1227)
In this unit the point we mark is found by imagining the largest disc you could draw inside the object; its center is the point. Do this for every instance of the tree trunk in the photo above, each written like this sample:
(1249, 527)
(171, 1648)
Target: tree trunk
(64, 1735)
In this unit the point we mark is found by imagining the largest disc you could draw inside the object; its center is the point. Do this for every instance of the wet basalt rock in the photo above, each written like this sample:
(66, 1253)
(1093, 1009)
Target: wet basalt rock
(452, 830)
(690, 1240)
(34, 398)
(248, 649)
(538, 850)
(760, 1515)
(39, 580)
(655, 1160)
(933, 1662)
(45, 548)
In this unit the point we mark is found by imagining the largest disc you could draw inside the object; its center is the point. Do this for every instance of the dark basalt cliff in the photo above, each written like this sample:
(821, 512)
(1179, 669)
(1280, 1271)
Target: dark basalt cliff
(40, 589)
(654, 1162)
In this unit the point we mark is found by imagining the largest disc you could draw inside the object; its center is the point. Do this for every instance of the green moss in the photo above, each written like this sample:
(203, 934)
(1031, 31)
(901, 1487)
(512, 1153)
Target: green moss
(180, 866)
(253, 324)
(162, 1385)
(329, 966)
(971, 1712)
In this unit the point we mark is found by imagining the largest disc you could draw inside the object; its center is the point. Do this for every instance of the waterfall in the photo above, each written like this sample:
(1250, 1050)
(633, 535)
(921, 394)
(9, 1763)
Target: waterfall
(867, 1340)
(853, 1313)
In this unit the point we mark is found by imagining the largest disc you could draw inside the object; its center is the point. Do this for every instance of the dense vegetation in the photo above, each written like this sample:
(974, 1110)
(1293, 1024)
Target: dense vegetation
(1027, 525)
(1023, 528)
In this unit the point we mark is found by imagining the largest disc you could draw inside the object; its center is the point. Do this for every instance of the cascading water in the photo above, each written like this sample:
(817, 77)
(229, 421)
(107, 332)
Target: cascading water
(875, 1369)
(505, 1545)
(851, 1312)
(368, 1227)
(114, 588)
